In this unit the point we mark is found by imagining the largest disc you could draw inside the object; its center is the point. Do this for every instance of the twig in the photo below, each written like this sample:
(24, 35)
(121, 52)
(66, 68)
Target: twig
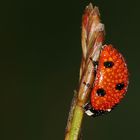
(92, 39)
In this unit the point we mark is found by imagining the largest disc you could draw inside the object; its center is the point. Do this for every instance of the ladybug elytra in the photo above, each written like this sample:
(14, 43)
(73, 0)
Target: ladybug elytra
(110, 84)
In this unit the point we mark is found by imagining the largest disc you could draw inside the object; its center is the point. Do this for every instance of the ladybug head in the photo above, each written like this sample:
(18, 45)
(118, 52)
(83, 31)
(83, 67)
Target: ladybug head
(90, 111)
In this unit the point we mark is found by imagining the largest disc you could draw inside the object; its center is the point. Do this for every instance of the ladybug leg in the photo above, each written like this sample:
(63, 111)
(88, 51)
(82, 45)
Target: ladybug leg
(88, 109)
(95, 64)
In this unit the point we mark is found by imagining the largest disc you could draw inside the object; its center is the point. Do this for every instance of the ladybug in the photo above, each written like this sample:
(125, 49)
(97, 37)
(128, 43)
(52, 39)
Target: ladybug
(111, 82)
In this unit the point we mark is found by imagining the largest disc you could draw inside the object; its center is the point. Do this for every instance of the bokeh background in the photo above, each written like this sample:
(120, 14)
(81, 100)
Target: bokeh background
(40, 52)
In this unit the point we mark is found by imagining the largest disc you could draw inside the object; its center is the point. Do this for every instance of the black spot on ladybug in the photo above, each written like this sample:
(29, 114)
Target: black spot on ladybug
(100, 92)
(108, 64)
(119, 86)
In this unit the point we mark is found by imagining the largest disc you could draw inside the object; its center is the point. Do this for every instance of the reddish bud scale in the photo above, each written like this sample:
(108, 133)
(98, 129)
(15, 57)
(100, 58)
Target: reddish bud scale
(111, 79)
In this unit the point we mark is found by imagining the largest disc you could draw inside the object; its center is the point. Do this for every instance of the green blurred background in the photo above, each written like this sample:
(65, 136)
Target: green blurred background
(40, 52)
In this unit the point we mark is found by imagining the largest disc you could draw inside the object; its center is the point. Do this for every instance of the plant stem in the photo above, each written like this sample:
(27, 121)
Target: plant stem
(76, 113)
(92, 39)
(76, 123)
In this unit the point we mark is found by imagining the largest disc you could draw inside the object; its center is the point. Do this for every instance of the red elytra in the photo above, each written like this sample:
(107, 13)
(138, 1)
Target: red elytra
(111, 80)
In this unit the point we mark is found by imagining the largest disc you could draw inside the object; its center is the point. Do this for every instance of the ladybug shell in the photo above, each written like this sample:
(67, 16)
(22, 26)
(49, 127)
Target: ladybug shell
(111, 80)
